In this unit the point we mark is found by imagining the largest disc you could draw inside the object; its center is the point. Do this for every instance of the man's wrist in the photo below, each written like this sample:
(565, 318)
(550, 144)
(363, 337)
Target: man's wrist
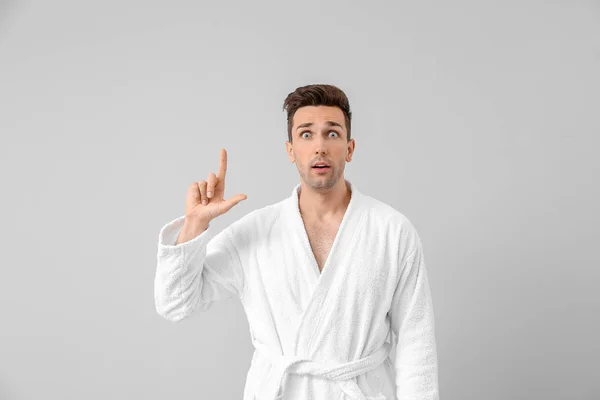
(191, 230)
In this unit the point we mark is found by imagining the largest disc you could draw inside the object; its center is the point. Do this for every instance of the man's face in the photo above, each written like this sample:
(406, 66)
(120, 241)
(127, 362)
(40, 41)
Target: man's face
(319, 135)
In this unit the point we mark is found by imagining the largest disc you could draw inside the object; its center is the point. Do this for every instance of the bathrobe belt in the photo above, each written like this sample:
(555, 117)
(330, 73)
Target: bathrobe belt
(341, 373)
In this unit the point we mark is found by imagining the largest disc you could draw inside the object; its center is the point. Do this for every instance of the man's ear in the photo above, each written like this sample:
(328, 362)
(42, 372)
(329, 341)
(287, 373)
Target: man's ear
(351, 146)
(290, 151)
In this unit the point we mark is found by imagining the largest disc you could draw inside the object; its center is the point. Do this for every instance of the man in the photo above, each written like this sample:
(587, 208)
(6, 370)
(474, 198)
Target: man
(330, 278)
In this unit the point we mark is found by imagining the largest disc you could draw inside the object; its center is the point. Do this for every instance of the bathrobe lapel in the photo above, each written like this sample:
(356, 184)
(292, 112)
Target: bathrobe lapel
(333, 269)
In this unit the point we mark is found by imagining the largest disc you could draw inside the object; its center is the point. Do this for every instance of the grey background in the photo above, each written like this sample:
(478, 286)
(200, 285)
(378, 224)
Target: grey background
(477, 120)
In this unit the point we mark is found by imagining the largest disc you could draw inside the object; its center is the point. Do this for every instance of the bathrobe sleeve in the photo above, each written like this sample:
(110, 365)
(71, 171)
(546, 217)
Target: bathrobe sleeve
(412, 322)
(194, 274)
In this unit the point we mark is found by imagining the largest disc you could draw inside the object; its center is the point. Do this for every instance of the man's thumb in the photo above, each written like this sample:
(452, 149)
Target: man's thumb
(232, 201)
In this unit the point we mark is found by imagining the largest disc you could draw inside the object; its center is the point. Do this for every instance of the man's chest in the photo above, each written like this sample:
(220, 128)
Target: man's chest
(321, 237)
(285, 274)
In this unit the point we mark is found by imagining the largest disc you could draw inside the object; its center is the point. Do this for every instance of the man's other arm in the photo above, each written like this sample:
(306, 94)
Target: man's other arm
(412, 321)
(192, 271)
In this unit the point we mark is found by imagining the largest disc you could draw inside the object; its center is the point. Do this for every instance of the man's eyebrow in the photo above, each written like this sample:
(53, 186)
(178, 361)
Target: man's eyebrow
(329, 123)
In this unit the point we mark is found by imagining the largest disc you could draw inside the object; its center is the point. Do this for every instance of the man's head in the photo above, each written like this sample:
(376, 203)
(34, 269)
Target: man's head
(319, 120)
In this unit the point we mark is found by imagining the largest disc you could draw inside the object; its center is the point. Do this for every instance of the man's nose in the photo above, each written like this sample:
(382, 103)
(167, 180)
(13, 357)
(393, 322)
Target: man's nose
(321, 146)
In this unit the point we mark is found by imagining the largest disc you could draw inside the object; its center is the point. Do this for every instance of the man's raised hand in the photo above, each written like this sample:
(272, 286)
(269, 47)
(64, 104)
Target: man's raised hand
(206, 199)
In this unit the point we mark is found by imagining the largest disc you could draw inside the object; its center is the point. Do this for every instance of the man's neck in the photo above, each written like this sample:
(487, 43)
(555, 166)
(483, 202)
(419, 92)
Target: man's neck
(323, 205)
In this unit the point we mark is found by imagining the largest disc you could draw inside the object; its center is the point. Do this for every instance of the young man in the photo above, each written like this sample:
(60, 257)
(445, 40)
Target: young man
(330, 278)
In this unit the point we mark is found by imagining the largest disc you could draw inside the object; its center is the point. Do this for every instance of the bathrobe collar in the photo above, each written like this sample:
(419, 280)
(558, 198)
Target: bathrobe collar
(335, 264)
(345, 234)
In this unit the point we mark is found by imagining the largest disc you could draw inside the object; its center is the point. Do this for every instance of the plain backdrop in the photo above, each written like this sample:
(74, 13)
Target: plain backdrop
(477, 120)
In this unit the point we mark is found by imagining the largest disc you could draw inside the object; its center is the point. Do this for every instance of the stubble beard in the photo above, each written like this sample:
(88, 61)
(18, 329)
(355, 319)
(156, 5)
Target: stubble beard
(326, 182)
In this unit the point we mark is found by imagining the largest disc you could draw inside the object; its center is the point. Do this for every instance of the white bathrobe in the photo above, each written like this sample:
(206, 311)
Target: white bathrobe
(317, 335)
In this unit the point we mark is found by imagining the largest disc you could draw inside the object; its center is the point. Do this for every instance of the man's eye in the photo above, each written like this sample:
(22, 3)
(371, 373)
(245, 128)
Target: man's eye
(307, 132)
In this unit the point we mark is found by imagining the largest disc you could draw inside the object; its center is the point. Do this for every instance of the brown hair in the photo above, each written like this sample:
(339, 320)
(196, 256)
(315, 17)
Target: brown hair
(316, 95)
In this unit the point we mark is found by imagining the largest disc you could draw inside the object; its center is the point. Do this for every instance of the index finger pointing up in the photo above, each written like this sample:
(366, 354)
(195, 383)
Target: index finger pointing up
(222, 165)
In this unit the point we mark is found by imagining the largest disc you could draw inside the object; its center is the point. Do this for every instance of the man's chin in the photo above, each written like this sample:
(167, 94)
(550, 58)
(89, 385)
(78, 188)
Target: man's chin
(322, 182)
